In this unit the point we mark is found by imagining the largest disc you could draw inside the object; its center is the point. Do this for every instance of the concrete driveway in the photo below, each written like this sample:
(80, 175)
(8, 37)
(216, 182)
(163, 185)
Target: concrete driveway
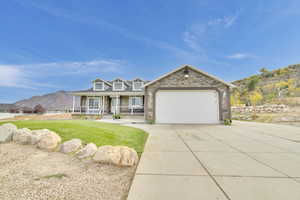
(244, 161)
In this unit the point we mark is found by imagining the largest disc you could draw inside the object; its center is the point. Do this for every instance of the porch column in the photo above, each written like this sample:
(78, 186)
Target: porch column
(117, 104)
(103, 104)
(87, 105)
(74, 104)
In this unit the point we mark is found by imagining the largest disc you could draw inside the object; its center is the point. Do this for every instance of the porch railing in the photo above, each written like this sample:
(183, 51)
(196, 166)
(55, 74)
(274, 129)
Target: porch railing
(136, 109)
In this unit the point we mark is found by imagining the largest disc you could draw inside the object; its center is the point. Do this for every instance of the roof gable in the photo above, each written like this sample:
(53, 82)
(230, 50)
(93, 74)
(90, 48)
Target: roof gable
(100, 80)
(192, 68)
(121, 80)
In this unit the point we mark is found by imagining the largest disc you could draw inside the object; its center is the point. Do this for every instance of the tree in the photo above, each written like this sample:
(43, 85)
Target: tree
(235, 98)
(255, 97)
(264, 70)
(39, 109)
(252, 83)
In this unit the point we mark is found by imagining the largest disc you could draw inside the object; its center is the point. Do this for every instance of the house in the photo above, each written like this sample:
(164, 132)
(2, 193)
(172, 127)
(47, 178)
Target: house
(183, 96)
(5, 107)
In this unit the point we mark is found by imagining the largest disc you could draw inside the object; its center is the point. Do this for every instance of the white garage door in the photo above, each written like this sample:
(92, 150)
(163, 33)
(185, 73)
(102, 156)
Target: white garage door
(187, 106)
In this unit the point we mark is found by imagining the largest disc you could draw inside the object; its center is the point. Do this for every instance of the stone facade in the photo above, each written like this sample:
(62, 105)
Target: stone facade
(195, 80)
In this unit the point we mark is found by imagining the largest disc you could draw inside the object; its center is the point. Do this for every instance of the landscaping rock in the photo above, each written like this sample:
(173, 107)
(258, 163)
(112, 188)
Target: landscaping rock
(88, 151)
(129, 156)
(49, 140)
(22, 136)
(71, 146)
(10, 126)
(37, 135)
(108, 155)
(6, 132)
(119, 155)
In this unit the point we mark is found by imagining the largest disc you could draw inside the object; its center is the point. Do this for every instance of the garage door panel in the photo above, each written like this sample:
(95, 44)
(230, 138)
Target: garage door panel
(187, 106)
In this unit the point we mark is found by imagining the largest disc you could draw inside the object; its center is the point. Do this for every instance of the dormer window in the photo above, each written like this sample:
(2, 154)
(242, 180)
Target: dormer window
(98, 86)
(137, 85)
(118, 85)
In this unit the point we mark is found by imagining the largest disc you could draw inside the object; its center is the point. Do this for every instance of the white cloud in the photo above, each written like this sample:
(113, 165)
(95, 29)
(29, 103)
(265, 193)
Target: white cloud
(226, 21)
(240, 56)
(197, 34)
(25, 75)
(11, 76)
(82, 67)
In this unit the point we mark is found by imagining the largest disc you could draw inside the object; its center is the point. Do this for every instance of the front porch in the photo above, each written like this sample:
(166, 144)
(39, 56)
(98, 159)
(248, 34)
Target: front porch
(101, 105)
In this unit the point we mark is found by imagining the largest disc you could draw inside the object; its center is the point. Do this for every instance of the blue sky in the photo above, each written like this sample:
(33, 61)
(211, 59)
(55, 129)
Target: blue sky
(53, 45)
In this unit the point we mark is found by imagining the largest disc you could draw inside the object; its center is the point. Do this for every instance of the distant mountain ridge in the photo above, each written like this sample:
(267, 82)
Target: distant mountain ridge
(60, 100)
(273, 86)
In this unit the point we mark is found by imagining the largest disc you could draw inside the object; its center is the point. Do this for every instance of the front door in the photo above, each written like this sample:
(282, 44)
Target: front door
(115, 105)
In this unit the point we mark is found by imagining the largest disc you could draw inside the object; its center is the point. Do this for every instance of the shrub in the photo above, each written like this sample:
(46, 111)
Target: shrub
(116, 116)
(150, 121)
(227, 122)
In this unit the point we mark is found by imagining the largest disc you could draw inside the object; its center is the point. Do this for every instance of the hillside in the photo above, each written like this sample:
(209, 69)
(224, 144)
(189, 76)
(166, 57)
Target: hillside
(276, 86)
(59, 100)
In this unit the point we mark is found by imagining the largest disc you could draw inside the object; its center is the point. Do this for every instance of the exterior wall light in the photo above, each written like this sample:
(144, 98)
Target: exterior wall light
(186, 73)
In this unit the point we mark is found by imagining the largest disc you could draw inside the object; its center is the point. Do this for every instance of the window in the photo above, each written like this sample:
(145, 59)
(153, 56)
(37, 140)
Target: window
(98, 86)
(136, 101)
(94, 103)
(137, 85)
(118, 85)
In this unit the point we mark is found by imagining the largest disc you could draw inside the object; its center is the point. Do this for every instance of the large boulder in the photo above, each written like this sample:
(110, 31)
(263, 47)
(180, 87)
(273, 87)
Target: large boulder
(88, 151)
(37, 135)
(49, 140)
(107, 154)
(129, 156)
(22, 136)
(71, 146)
(6, 132)
(118, 155)
(10, 126)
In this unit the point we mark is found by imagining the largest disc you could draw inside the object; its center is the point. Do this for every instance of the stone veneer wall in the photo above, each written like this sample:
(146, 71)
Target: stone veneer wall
(195, 79)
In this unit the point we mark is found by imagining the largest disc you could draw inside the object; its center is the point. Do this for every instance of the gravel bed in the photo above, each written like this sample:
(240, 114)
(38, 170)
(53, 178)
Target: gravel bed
(27, 173)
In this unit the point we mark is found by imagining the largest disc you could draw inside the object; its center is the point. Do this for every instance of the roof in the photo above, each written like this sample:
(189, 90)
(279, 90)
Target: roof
(192, 68)
(100, 80)
(127, 89)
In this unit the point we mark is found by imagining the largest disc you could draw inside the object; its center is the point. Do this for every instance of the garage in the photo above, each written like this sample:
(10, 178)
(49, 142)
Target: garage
(187, 95)
(187, 106)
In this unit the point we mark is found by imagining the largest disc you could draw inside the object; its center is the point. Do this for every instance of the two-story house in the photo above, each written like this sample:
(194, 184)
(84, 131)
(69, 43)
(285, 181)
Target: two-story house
(115, 97)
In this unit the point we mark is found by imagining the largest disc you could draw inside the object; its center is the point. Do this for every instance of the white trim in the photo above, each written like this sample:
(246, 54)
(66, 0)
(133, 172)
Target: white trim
(133, 87)
(99, 80)
(103, 86)
(193, 68)
(134, 97)
(74, 103)
(123, 86)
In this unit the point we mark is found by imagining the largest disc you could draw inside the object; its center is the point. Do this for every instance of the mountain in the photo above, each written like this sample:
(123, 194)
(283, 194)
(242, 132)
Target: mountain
(60, 100)
(276, 86)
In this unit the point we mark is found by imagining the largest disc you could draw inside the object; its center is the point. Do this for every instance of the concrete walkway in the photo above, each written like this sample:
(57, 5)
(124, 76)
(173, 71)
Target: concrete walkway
(246, 161)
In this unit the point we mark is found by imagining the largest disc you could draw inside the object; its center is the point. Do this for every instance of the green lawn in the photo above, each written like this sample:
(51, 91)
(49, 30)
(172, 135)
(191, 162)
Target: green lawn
(90, 131)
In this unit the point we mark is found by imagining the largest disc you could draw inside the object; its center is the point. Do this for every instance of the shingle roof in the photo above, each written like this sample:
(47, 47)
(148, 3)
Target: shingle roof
(109, 89)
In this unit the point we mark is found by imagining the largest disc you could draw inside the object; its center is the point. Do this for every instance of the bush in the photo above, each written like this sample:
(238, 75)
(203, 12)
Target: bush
(116, 116)
(227, 122)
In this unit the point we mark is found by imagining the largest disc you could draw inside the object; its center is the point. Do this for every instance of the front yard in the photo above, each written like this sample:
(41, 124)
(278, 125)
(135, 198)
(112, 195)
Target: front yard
(89, 131)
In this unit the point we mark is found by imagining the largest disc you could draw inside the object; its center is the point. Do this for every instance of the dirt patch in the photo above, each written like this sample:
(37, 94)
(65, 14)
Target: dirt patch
(31, 174)
(42, 117)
